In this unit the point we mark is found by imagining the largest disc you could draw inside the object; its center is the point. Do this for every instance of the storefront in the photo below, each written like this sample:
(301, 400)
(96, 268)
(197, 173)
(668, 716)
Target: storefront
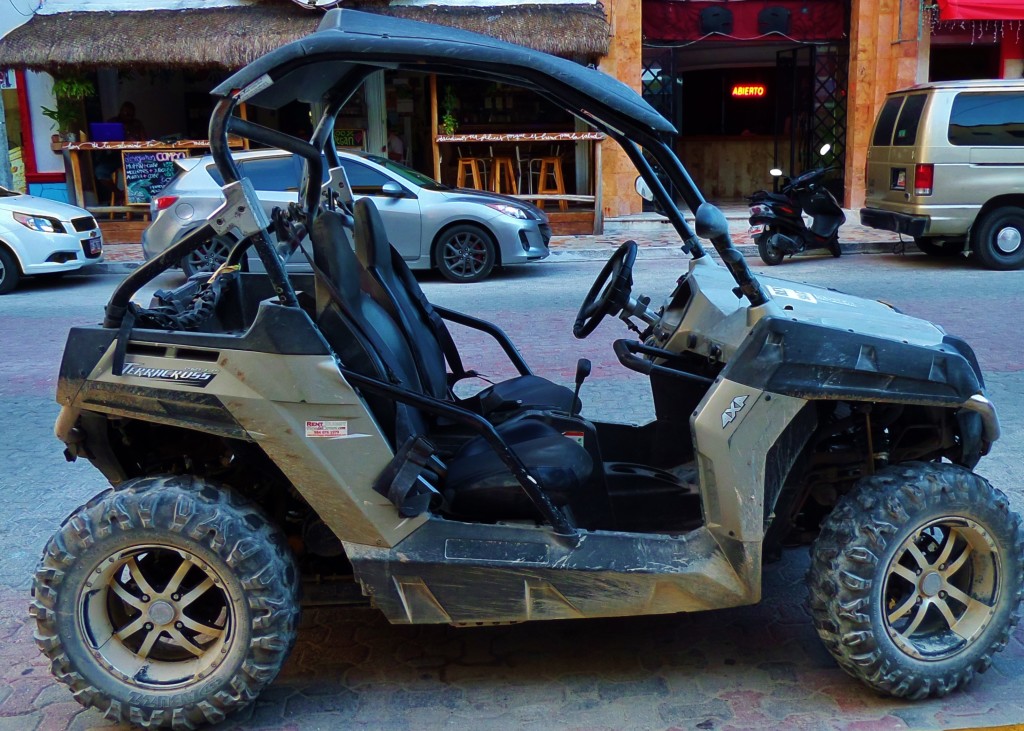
(751, 85)
(163, 62)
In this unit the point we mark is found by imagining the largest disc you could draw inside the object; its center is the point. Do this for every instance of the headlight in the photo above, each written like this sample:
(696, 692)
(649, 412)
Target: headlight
(39, 223)
(509, 210)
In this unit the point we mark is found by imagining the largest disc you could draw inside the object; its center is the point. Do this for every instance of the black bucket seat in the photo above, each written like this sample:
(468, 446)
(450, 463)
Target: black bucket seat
(368, 341)
(397, 290)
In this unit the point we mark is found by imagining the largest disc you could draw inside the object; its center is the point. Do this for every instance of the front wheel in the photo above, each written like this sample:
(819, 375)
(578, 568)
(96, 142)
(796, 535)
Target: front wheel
(169, 602)
(998, 239)
(833, 247)
(770, 255)
(10, 274)
(915, 580)
(465, 253)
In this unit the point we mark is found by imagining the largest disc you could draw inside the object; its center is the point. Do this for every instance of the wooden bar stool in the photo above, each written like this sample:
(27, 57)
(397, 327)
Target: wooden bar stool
(551, 171)
(503, 172)
(475, 167)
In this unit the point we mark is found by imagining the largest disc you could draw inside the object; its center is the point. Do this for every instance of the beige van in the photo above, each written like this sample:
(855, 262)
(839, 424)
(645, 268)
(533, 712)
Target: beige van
(946, 166)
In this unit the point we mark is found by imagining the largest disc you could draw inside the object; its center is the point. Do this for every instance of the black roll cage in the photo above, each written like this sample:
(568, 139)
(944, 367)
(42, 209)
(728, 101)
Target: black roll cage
(328, 67)
(336, 60)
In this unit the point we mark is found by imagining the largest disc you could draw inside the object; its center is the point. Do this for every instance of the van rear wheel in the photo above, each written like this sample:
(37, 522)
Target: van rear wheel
(998, 238)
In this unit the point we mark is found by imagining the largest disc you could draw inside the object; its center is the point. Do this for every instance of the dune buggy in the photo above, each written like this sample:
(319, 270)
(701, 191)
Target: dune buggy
(259, 428)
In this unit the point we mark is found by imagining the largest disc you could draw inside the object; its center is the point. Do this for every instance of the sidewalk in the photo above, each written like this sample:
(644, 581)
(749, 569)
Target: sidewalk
(651, 231)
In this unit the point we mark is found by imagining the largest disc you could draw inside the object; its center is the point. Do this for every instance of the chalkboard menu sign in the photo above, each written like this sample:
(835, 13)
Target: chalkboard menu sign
(147, 173)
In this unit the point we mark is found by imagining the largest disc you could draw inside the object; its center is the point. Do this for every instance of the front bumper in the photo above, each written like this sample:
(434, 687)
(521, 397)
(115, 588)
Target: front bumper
(61, 253)
(900, 223)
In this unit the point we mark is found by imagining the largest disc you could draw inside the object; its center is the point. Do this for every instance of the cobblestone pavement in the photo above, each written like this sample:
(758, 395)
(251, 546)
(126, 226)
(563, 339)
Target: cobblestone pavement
(758, 667)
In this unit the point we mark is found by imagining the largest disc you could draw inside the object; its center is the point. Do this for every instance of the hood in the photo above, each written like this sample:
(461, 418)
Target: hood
(471, 195)
(35, 205)
(832, 308)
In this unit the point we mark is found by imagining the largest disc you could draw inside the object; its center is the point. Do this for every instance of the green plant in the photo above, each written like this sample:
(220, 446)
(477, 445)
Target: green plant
(448, 121)
(68, 91)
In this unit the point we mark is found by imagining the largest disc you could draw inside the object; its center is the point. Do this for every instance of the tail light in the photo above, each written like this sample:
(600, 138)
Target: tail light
(924, 177)
(165, 201)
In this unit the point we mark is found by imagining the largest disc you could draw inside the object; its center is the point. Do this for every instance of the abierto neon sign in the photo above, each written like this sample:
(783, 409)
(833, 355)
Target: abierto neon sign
(749, 91)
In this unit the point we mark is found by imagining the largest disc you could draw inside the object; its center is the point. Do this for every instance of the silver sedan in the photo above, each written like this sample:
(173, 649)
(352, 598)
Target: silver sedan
(462, 233)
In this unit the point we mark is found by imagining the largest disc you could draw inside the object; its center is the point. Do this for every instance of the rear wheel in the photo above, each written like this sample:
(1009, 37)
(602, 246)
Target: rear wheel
(998, 238)
(915, 579)
(10, 274)
(769, 254)
(465, 253)
(169, 602)
(208, 257)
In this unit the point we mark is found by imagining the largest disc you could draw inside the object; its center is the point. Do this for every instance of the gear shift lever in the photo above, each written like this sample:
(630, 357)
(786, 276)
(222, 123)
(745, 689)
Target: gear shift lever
(582, 371)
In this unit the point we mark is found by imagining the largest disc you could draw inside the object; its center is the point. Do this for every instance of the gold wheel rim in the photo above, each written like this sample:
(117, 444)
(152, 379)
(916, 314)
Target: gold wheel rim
(941, 588)
(156, 616)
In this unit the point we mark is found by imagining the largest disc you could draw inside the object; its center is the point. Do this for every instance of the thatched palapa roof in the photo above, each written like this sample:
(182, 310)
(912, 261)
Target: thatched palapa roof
(231, 37)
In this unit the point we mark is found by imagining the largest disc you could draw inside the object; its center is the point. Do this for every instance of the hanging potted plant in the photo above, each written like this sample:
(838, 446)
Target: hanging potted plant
(67, 114)
(448, 105)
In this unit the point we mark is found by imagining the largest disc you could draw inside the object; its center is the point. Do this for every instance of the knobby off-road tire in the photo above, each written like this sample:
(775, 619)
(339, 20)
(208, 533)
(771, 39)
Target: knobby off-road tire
(911, 552)
(168, 602)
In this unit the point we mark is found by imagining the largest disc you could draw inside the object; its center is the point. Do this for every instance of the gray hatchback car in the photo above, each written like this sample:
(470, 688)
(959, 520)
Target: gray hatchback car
(462, 233)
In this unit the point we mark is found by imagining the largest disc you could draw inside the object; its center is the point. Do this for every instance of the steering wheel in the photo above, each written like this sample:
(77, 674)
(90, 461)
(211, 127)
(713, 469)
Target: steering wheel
(610, 291)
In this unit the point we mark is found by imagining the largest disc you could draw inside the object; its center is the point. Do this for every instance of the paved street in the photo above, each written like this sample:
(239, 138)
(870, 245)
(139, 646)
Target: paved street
(753, 667)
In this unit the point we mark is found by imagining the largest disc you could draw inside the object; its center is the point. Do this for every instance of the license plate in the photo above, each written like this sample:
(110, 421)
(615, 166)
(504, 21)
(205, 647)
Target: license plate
(756, 229)
(898, 181)
(95, 244)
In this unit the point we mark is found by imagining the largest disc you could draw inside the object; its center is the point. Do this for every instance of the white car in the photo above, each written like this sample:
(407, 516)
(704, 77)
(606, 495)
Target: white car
(40, 236)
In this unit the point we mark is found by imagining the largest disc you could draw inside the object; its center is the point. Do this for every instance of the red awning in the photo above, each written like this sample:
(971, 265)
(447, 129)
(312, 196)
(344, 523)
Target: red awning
(675, 20)
(981, 10)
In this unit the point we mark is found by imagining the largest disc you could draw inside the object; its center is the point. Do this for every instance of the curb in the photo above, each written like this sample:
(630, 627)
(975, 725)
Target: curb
(566, 254)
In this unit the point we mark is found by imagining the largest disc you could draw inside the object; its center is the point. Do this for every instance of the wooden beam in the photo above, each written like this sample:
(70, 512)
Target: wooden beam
(433, 128)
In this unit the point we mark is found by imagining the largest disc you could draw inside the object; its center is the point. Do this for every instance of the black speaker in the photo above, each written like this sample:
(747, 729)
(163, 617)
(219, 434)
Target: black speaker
(715, 20)
(773, 20)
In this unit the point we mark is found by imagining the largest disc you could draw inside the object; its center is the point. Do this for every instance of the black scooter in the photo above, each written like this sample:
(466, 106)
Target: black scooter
(777, 223)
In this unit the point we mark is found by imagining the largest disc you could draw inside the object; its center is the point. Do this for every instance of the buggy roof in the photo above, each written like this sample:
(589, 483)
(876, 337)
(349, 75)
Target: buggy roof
(348, 44)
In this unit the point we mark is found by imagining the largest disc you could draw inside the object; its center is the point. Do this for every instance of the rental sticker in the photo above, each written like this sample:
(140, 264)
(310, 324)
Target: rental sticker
(326, 429)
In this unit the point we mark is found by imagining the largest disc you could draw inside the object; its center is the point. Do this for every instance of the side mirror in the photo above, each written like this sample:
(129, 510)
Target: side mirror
(391, 189)
(710, 222)
(775, 173)
(643, 190)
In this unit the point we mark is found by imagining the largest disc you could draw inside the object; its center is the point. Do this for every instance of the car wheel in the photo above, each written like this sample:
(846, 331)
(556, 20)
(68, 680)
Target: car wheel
(10, 274)
(999, 238)
(465, 253)
(770, 255)
(168, 602)
(208, 257)
(939, 248)
(915, 578)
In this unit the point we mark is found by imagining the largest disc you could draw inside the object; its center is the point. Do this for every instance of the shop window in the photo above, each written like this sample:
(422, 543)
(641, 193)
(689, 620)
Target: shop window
(729, 102)
(715, 20)
(773, 19)
(987, 120)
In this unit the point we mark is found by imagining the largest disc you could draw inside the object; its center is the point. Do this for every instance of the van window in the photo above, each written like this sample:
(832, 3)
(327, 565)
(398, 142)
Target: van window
(906, 127)
(886, 122)
(987, 120)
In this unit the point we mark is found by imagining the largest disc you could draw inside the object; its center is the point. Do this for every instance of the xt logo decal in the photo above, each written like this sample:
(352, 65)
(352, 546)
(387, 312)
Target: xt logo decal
(729, 415)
